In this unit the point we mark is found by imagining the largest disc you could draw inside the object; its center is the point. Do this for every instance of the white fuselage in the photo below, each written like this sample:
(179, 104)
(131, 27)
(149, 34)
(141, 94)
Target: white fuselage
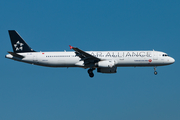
(120, 58)
(103, 61)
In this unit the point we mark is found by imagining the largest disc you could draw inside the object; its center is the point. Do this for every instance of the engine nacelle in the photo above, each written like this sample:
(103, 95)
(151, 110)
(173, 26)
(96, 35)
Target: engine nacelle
(106, 64)
(107, 70)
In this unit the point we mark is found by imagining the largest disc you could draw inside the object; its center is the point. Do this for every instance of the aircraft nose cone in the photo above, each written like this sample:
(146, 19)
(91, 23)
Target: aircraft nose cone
(172, 60)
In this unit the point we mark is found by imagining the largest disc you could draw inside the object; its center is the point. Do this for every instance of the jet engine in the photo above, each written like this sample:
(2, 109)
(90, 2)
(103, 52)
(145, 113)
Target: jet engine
(107, 70)
(106, 64)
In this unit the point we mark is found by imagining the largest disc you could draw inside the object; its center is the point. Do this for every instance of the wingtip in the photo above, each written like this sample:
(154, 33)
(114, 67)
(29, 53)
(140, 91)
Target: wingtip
(71, 47)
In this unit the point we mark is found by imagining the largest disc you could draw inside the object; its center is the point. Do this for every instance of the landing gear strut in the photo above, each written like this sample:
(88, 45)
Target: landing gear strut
(155, 72)
(90, 72)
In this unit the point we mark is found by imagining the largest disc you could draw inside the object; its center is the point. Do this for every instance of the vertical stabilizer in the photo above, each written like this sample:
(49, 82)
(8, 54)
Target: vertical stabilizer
(18, 44)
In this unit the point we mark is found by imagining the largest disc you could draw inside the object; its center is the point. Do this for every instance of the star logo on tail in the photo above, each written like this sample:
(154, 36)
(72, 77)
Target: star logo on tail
(18, 46)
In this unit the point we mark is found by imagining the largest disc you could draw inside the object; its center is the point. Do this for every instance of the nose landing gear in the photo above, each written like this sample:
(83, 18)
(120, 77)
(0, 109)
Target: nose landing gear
(155, 72)
(90, 72)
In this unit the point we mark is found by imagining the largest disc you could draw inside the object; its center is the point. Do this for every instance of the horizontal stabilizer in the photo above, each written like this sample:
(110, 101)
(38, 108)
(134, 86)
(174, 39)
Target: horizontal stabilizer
(16, 55)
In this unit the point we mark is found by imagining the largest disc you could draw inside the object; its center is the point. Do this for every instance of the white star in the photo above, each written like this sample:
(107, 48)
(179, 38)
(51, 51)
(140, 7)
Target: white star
(21, 48)
(18, 46)
(15, 45)
(21, 44)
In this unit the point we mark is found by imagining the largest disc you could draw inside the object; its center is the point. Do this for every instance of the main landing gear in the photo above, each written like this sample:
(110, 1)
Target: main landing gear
(90, 72)
(155, 72)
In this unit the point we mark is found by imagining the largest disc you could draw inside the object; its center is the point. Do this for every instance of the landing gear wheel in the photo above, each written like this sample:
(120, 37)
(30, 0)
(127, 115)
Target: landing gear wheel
(91, 75)
(90, 72)
(155, 72)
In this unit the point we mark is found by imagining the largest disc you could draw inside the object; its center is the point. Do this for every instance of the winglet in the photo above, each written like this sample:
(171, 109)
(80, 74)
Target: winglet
(71, 47)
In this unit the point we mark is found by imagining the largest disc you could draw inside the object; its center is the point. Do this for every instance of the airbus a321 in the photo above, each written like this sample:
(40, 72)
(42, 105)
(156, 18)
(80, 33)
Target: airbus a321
(103, 61)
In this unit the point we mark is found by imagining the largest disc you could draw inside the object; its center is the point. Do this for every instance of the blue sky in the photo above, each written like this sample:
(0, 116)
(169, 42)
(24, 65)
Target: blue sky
(34, 92)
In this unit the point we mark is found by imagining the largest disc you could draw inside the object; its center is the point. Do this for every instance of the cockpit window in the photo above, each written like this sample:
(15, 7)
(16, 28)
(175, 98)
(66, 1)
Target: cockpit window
(165, 55)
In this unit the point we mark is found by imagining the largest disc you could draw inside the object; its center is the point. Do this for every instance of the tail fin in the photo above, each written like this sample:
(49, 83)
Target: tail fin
(18, 44)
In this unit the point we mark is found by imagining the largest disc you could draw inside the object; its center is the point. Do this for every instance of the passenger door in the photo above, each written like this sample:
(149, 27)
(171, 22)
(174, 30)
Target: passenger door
(155, 55)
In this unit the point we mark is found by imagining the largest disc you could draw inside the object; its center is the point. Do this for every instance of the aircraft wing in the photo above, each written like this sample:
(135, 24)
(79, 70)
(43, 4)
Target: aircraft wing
(84, 55)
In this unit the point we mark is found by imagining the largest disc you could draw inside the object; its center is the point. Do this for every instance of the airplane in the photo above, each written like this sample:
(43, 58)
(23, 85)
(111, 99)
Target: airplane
(103, 61)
